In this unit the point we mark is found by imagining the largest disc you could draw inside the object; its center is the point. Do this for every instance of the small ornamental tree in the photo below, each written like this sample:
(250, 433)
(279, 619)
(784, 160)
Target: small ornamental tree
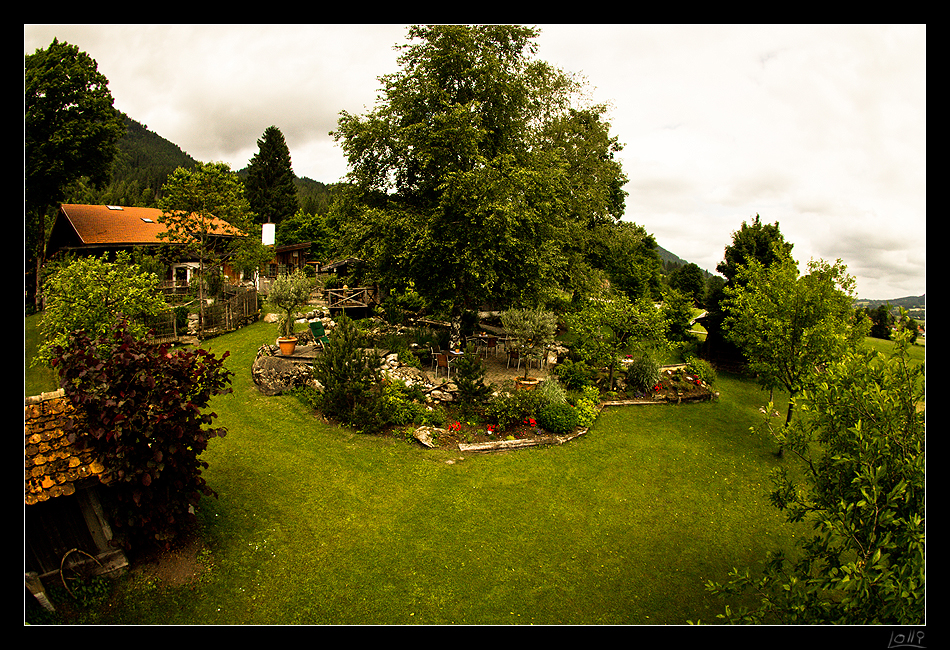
(288, 293)
(860, 485)
(533, 330)
(143, 408)
(607, 328)
(350, 376)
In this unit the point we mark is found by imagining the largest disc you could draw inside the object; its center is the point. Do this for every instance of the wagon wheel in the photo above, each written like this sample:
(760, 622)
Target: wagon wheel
(71, 575)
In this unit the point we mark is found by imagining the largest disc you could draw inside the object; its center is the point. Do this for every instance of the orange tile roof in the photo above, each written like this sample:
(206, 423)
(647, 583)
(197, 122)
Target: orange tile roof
(102, 224)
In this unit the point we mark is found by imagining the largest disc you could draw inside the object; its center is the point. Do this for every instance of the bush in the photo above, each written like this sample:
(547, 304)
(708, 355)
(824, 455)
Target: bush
(552, 391)
(574, 374)
(395, 406)
(585, 404)
(350, 377)
(643, 374)
(700, 368)
(510, 408)
(470, 379)
(142, 407)
(557, 417)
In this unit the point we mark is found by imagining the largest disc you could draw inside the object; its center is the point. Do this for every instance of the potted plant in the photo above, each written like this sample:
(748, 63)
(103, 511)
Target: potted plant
(287, 294)
(533, 331)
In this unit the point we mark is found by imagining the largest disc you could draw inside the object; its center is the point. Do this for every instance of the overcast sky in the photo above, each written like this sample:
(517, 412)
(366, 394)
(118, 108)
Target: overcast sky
(820, 128)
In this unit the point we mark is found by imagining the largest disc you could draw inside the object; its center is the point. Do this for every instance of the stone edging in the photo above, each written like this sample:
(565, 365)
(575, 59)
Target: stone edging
(501, 445)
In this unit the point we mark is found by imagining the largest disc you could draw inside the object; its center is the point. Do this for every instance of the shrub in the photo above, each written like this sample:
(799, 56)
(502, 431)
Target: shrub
(510, 408)
(552, 391)
(700, 368)
(470, 379)
(350, 377)
(141, 405)
(95, 295)
(585, 404)
(643, 374)
(395, 406)
(574, 374)
(557, 417)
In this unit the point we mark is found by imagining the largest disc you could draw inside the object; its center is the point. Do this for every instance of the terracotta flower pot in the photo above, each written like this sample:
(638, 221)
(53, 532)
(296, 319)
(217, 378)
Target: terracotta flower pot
(287, 345)
(529, 383)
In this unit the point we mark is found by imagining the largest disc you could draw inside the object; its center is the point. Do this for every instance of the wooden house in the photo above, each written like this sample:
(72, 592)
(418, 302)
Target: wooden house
(99, 229)
(290, 258)
(64, 516)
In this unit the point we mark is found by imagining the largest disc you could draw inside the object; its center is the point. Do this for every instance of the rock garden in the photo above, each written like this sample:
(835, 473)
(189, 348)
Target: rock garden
(474, 405)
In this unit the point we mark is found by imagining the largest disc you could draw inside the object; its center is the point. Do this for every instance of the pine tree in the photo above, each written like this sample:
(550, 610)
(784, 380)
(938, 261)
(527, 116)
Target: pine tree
(270, 179)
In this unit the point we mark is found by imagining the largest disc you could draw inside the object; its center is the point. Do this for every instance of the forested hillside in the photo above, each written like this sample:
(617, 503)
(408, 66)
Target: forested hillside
(146, 159)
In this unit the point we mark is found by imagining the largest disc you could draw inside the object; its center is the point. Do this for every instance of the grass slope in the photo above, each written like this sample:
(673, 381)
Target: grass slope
(318, 525)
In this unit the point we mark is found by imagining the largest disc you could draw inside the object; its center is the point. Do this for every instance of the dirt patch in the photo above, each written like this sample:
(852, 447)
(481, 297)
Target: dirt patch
(174, 567)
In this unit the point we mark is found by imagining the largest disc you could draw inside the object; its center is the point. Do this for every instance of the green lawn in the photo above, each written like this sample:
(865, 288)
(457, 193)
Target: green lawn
(318, 525)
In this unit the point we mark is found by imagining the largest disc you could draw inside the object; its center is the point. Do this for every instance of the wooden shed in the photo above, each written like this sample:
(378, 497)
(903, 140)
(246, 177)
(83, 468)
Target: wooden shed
(63, 490)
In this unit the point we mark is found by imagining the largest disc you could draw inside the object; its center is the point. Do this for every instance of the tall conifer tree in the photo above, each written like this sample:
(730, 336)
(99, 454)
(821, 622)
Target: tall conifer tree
(270, 179)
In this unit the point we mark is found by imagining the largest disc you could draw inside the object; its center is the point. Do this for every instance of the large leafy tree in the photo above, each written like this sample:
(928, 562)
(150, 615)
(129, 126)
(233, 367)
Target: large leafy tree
(860, 440)
(468, 163)
(71, 131)
(789, 326)
(689, 280)
(201, 207)
(270, 179)
(753, 241)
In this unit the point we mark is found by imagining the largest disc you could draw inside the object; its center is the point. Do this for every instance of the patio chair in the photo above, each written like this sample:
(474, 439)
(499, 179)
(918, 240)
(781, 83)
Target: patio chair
(319, 334)
(514, 354)
(443, 361)
(491, 345)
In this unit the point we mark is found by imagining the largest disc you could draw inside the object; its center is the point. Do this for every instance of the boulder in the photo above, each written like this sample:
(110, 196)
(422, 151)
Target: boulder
(425, 435)
(274, 375)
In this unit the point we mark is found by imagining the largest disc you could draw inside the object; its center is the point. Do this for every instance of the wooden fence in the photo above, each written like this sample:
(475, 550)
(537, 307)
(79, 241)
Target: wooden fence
(235, 309)
(230, 313)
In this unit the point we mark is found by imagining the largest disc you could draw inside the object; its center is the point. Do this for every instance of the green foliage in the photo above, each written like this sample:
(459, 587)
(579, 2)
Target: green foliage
(70, 129)
(287, 294)
(270, 179)
(677, 310)
(860, 439)
(643, 373)
(575, 375)
(350, 377)
(881, 321)
(608, 328)
(552, 391)
(140, 169)
(532, 331)
(511, 408)
(472, 135)
(585, 402)
(559, 418)
(204, 211)
(762, 243)
(142, 407)
(93, 294)
(700, 368)
(470, 379)
(789, 326)
(690, 281)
